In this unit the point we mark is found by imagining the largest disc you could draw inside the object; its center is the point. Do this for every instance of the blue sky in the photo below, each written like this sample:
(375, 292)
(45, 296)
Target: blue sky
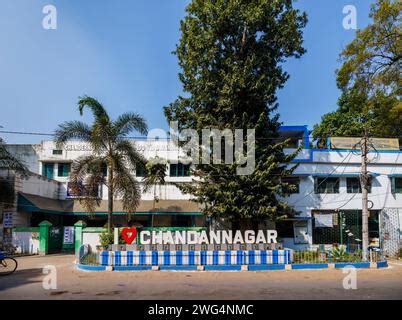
(120, 53)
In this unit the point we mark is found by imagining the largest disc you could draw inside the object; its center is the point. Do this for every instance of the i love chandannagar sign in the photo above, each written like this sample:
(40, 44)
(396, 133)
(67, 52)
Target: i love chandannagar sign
(203, 237)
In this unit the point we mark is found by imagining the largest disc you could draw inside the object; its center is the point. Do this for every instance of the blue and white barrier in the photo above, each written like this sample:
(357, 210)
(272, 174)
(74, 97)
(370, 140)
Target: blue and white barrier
(193, 258)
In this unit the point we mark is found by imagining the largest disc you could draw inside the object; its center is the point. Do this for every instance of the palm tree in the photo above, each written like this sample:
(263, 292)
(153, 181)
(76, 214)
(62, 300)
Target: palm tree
(8, 161)
(111, 149)
(155, 176)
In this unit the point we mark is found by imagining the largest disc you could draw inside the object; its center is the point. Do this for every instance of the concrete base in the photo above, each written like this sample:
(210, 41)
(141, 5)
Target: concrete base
(223, 268)
(178, 268)
(301, 266)
(310, 266)
(266, 267)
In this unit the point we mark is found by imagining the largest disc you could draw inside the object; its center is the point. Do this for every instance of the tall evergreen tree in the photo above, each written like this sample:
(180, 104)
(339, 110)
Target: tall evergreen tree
(231, 54)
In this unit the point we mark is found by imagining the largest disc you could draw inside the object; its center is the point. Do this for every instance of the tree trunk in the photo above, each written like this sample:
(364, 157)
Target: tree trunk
(153, 207)
(110, 198)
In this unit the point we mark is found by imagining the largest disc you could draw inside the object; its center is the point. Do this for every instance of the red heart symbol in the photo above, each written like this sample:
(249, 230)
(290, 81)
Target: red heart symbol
(129, 238)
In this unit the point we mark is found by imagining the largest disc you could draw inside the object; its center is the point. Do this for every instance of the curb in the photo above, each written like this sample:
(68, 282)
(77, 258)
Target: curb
(178, 268)
(358, 265)
(223, 268)
(382, 264)
(91, 268)
(263, 267)
(131, 268)
(299, 266)
(267, 267)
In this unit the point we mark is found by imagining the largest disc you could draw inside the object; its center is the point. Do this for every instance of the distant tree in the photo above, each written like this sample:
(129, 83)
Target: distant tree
(370, 79)
(111, 149)
(231, 54)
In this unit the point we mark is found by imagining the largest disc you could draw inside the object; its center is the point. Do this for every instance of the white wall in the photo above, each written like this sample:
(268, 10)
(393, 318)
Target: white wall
(27, 153)
(39, 185)
(91, 238)
(26, 242)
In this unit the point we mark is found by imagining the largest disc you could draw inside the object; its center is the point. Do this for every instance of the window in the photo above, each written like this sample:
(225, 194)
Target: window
(182, 221)
(57, 151)
(140, 170)
(63, 169)
(179, 170)
(294, 185)
(47, 170)
(326, 185)
(353, 185)
(396, 183)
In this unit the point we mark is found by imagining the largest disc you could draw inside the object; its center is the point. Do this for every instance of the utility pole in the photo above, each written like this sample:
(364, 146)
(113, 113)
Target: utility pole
(364, 182)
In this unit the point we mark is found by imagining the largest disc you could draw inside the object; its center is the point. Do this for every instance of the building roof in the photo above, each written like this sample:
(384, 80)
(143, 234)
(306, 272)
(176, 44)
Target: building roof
(34, 203)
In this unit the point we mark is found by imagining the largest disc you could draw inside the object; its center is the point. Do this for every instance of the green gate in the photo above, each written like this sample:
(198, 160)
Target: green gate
(55, 239)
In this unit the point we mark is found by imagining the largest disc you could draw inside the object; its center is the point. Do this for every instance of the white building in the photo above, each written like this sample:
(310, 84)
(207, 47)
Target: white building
(328, 199)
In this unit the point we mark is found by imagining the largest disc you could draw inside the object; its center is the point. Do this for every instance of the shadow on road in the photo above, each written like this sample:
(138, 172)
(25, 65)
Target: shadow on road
(21, 277)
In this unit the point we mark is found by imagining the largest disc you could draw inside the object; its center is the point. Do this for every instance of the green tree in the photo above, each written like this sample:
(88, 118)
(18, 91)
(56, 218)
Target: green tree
(369, 79)
(154, 177)
(111, 150)
(231, 54)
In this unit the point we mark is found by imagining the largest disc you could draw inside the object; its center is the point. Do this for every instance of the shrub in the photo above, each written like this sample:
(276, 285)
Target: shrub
(338, 252)
(107, 238)
(305, 256)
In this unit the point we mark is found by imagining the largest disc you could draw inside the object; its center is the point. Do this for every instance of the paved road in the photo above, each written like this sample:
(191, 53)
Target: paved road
(27, 283)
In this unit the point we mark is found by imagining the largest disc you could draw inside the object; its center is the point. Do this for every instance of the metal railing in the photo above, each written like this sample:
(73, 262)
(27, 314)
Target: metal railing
(336, 254)
(90, 259)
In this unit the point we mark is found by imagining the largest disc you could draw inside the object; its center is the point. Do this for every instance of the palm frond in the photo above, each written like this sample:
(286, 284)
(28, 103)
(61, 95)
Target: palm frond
(126, 149)
(102, 135)
(85, 166)
(156, 173)
(72, 130)
(127, 187)
(8, 161)
(129, 122)
(96, 107)
(87, 175)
